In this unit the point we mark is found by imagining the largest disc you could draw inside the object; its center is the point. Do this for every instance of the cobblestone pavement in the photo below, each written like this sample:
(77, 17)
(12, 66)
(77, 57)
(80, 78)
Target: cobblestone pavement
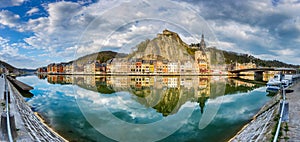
(294, 113)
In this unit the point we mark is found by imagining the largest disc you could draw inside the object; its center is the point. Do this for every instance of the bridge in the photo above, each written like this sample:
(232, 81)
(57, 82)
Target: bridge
(258, 72)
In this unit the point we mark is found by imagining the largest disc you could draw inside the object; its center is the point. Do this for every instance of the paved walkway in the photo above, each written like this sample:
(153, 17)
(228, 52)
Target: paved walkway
(2, 106)
(21, 130)
(294, 113)
(28, 126)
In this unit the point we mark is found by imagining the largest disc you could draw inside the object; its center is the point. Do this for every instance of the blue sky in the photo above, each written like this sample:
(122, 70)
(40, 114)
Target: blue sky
(34, 33)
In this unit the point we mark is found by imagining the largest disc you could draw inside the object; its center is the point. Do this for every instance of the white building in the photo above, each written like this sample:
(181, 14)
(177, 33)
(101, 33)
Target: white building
(173, 67)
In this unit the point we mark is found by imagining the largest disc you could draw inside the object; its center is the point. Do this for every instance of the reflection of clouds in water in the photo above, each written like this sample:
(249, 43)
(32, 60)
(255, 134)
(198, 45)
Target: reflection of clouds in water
(52, 101)
(240, 105)
(105, 122)
(119, 102)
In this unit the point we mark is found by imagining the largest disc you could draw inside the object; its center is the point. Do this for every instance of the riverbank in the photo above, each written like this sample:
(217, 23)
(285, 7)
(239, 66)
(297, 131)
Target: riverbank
(37, 130)
(262, 126)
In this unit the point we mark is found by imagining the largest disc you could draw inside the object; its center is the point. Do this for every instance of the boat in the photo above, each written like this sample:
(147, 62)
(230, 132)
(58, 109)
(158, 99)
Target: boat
(279, 80)
(273, 88)
(275, 83)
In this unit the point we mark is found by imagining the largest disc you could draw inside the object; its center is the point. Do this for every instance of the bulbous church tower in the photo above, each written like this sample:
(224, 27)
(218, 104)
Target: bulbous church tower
(202, 57)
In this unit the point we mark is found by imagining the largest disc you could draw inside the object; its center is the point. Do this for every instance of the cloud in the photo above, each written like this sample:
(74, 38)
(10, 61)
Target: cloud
(9, 19)
(93, 25)
(256, 27)
(69, 28)
(9, 3)
(32, 11)
(10, 54)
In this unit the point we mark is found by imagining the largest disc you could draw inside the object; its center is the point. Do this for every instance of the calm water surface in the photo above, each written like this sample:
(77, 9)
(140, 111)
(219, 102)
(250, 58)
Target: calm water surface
(94, 108)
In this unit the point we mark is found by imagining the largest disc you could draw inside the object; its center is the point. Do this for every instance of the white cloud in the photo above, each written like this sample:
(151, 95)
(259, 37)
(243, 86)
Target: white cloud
(10, 54)
(88, 26)
(68, 21)
(9, 19)
(9, 3)
(32, 11)
(286, 52)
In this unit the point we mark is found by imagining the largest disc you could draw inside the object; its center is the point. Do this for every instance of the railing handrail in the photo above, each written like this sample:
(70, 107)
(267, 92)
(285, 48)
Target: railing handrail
(10, 138)
(281, 114)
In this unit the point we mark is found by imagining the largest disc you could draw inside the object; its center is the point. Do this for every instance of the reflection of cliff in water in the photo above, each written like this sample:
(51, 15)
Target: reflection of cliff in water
(238, 85)
(166, 94)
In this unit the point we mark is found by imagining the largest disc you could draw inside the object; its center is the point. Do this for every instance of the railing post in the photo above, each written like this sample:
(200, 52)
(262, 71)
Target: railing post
(8, 96)
(12, 124)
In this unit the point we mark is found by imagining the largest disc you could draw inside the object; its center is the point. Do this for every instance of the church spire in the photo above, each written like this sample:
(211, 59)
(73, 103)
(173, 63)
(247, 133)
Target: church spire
(202, 43)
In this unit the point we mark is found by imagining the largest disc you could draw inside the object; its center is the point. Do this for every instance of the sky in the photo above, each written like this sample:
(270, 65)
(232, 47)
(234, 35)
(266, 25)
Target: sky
(35, 33)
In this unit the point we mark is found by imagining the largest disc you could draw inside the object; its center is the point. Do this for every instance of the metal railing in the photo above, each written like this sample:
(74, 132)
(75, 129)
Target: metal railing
(281, 114)
(9, 134)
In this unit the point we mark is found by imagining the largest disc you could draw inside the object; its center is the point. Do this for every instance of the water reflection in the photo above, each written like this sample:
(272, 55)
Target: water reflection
(184, 107)
(164, 93)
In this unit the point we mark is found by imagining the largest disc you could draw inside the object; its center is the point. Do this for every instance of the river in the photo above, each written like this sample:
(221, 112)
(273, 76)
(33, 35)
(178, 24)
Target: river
(145, 108)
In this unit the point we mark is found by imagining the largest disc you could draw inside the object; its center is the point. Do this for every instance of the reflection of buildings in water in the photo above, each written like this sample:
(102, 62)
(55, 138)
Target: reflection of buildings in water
(203, 86)
(188, 81)
(202, 100)
(203, 91)
(173, 82)
(59, 79)
(269, 74)
(56, 79)
(68, 79)
(243, 83)
(164, 93)
(119, 82)
(89, 80)
(42, 76)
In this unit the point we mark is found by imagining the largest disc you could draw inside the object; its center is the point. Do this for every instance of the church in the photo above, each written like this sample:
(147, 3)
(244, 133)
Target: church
(202, 57)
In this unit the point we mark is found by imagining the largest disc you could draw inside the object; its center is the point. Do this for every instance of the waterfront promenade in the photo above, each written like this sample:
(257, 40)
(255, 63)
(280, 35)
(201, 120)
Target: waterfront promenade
(28, 126)
(22, 133)
(294, 113)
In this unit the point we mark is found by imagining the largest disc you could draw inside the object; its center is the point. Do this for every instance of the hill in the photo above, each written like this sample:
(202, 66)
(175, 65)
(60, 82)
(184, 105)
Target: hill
(15, 70)
(245, 58)
(102, 56)
(8, 66)
(164, 46)
(231, 57)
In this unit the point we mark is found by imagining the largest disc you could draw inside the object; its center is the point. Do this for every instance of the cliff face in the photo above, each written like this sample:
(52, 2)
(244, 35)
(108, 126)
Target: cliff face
(167, 45)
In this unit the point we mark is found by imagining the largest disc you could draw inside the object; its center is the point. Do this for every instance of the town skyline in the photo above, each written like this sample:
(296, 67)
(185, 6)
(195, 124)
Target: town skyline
(37, 33)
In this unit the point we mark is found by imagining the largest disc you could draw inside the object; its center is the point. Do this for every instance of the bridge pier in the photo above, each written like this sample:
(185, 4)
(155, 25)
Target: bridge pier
(258, 75)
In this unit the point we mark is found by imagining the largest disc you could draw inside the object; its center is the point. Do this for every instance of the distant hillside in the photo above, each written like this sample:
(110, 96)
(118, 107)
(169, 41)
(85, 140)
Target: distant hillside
(27, 71)
(102, 56)
(8, 66)
(245, 58)
(231, 57)
(15, 70)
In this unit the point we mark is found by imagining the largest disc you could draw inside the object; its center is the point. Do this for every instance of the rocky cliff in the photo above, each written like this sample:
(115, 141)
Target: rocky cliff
(167, 45)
